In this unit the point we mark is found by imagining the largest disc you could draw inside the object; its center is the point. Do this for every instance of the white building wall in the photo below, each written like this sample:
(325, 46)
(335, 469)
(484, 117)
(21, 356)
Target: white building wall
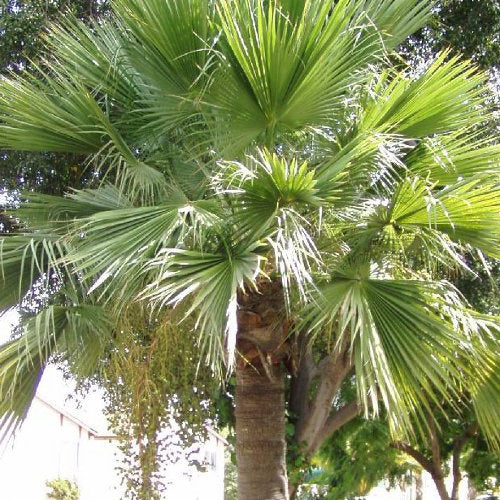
(49, 446)
(188, 483)
(97, 475)
(33, 458)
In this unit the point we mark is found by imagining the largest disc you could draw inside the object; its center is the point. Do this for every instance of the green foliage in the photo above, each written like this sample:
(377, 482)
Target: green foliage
(230, 474)
(22, 22)
(362, 453)
(357, 458)
(312, 167)
(149, 384)
(62, 489)
(21, 25)
(482, 466)
(469, 26)
(183, 251)
(481, 287)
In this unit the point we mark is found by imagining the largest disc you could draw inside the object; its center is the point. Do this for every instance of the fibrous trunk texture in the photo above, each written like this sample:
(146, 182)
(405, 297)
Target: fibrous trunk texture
(260, 433)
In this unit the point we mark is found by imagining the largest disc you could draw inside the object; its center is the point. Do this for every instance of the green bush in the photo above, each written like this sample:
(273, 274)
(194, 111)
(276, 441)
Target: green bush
(62, 489)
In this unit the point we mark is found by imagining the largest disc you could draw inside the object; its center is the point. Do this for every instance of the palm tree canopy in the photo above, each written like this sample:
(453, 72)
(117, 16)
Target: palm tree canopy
(239, 141)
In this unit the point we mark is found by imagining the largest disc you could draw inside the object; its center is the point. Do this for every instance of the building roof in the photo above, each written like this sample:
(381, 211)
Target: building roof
(80, 423)
(216, 435)
(106, 435)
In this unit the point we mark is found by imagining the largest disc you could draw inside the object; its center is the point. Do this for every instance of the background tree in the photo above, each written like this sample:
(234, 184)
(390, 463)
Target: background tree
(150, 387)
(363, 453)
(355, 459)
(470, 27)
(270, 174)
(452, 443)
(22, 24)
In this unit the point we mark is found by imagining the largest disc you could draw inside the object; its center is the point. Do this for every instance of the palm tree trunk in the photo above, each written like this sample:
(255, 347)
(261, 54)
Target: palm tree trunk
(260, 433)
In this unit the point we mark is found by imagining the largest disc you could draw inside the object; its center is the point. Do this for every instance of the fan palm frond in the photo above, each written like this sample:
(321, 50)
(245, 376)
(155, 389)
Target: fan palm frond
(70, 118)
(173, 54)
(96, 53)
(468, 211)
(116, 244)
(485, 401)
(449, 158)
(404, 350)
(273, 201)
(264, 186)
(213, 280)
(447, 96)
(396, 19)
(435, 224)
(51, 212)
(286, 74)
(26, 259)
(81, 332)
(67, 117)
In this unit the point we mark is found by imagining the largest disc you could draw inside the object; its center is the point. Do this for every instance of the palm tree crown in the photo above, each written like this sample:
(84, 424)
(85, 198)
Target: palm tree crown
(241, 142)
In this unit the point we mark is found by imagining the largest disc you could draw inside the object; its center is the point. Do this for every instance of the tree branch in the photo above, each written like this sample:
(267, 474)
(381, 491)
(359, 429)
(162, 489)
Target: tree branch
(335, 422)
(435, 447)
(331, 371)
(301, 382)
(458, 445)
(415, 454)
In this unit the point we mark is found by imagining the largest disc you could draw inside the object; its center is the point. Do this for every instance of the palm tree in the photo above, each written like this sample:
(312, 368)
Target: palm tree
(261, 162)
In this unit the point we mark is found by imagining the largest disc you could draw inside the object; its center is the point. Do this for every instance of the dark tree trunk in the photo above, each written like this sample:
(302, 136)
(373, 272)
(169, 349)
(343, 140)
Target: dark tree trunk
(433, 467)
(437, 462)
(458, 446)
(440, 486)
(260, 433)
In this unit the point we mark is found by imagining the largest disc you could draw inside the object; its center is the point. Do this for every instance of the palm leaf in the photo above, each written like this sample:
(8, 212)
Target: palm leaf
(19, 381)
(269, 195)
(290, 65)
(397, 19)
(452, 157)
(446, 97)
(284, 75)
(51, 212)
(263, 187)
(173, 40)
(418, 221)
(468, 211)
(26, 259)
(403, 350)
(117, 243)
(67, 117)
(79, 331)
(96, 53)
(172, 54)
(213, 280)
(485, 401)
